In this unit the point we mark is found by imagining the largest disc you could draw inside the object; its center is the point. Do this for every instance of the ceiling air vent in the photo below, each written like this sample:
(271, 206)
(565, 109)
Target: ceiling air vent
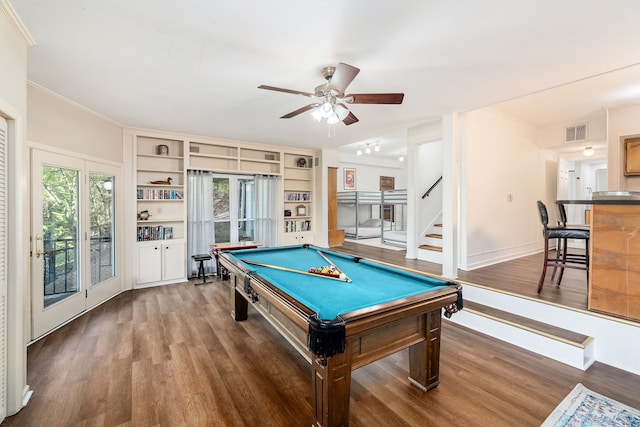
(576, 133)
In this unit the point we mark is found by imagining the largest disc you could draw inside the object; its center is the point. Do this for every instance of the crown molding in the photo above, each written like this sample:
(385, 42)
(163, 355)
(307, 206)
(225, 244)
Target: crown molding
(16, 22)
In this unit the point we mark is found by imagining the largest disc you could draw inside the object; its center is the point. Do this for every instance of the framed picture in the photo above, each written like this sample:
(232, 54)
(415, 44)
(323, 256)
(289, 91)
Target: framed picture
(349, 179)
(632, 157)
(301, 210)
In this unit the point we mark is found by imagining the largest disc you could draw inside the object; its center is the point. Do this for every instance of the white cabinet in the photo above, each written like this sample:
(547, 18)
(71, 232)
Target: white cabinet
(173, 261)
(298, 238)
(161, 262)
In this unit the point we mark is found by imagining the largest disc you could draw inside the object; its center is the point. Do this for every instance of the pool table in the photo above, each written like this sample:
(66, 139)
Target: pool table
(341, 324)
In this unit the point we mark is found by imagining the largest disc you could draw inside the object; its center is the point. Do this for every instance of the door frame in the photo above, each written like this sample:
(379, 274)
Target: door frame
(233, 220)
(88, 295)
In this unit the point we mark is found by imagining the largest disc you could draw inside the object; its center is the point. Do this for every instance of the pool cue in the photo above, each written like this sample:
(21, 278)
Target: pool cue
(290, 270)
(346, 278)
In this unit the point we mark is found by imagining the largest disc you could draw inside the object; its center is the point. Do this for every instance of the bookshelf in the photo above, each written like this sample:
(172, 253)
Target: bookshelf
(222, 156)
(298, 198)
(160, 210)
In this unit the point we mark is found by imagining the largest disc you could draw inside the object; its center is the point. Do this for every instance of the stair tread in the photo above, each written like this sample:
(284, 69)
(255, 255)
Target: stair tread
(434, 235)
(555, 331)
(431, 248)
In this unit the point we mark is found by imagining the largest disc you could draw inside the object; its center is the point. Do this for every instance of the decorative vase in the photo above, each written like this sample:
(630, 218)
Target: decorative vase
(163, 150)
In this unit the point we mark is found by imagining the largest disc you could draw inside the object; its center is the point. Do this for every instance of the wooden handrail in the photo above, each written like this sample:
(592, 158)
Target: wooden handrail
(431, 188)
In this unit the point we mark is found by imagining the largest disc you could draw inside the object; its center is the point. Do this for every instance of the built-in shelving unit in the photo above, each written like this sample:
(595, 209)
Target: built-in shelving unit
(160, 210)
(298, 198)
(233, 158)
(159, 171)
(160, 189)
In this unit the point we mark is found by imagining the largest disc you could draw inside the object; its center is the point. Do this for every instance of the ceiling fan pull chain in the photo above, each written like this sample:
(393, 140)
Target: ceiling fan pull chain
(331, 131)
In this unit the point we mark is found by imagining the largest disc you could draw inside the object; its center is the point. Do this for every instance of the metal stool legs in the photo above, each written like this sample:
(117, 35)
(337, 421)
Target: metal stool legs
(201, 258)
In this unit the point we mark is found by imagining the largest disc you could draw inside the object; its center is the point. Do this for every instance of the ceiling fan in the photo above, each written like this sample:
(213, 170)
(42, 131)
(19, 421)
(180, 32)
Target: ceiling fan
(329, 98)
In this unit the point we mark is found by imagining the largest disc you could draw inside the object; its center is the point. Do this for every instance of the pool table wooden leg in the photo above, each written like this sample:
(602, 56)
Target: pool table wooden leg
(239, 304)
(331, 388)
(424, 357)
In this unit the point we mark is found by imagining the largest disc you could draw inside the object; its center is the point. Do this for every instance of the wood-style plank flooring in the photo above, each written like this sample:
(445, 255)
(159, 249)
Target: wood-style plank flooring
(172, 356)
(519, 276)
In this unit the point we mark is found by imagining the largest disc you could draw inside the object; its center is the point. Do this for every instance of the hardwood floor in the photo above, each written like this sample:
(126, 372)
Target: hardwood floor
(519, 276)
(172, 356)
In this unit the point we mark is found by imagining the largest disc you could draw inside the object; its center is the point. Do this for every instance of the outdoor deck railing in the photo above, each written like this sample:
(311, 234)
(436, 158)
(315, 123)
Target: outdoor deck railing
(60, 263)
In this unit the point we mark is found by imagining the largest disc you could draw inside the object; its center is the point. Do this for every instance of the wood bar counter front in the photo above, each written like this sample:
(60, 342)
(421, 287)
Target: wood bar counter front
(614, 272)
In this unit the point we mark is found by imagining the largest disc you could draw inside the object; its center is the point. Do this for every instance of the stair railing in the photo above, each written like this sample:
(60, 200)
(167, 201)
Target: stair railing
(426, 194)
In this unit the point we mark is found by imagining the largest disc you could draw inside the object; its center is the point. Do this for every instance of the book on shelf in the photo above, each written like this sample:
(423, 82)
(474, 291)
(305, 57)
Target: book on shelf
(158, 232)
(293, 226)
(159, 194)
(297, 197)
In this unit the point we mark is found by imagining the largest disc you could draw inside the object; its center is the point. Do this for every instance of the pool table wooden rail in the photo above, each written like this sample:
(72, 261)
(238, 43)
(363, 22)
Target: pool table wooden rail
(371, 334)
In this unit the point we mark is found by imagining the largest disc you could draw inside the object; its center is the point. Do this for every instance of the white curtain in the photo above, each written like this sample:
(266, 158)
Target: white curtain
(267, 202)
(199, 219)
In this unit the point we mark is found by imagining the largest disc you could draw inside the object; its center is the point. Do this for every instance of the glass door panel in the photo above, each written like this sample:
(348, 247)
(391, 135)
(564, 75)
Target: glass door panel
(221, 210)
(57, 292)
(246, 209)
(101, 227)
(233, 208)
(60, 231)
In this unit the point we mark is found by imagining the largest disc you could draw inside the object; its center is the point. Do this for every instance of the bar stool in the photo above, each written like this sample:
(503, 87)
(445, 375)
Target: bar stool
(563, 248)
(561, 233)
(201, 258)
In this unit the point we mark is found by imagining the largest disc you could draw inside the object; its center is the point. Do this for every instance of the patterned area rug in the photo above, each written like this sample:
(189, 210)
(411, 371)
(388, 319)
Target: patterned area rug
(585, 408)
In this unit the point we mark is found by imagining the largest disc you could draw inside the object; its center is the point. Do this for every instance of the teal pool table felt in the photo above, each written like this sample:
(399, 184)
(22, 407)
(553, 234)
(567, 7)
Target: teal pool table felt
(372, 283)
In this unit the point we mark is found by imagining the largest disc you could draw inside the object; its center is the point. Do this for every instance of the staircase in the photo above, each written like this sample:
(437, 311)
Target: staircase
(435, 240)
(430, 248)
(531, 328)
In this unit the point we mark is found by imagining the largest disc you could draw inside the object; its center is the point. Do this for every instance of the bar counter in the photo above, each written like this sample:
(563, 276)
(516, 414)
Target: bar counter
(614, 271)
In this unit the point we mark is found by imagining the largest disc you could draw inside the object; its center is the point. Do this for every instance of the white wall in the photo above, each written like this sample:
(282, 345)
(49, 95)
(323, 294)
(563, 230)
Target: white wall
(368, 173)
(14, 42)
(553, 136)
(429, 170)
(57, 122)
(502, 177)
(369, 170)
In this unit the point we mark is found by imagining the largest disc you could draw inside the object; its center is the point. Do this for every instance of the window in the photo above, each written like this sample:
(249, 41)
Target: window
(233, 208)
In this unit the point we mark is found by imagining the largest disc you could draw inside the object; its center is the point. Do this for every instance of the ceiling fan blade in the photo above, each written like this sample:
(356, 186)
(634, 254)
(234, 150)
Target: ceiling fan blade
(343, 76)
(279, 89)
(350, 119)
(376, 98)
(299, 111)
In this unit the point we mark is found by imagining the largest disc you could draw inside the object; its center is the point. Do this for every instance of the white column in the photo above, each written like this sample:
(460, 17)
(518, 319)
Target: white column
(451, 139)
(412, 195)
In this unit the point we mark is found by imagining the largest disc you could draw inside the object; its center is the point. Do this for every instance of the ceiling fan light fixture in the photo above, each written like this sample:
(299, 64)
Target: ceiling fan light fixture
(325, 96)
(317, 116)
(326, 110)
(341, 112)
(333, 120)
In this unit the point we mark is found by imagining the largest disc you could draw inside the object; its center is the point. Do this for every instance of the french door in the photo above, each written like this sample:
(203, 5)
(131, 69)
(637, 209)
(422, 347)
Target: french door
(233, 208)
(73, 230)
